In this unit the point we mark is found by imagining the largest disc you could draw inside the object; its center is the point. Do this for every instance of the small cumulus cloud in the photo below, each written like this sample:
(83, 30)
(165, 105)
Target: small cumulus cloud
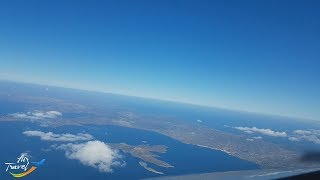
(305, 132)
(257, 137)
(267, 132)
(199, 121)
(311, 135)
(294, 139)
(95, 154)
(49, 136)
(312, 138)
(37, 115)
(254, 138)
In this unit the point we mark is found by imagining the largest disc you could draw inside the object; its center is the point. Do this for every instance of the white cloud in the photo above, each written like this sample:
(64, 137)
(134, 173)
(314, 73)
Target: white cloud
(310, 135)
(257, 137)
(199, 121)
(36, 115)
(311, 138)
(302, 132)
(49, 136)
(294, 139)
(267, 132)
(96, 154)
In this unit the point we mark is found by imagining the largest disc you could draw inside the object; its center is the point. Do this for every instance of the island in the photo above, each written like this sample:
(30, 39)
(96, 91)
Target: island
(145, 165)
(144, 152)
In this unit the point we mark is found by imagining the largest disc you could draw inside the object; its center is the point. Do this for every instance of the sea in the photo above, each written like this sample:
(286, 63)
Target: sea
(186, 158)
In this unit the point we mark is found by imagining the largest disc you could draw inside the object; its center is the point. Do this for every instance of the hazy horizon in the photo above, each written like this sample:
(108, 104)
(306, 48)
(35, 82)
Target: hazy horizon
(166, 100)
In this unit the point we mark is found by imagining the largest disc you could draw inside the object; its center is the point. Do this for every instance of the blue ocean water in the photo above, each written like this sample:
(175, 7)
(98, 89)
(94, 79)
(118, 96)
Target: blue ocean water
(186, 158)
(9, 107)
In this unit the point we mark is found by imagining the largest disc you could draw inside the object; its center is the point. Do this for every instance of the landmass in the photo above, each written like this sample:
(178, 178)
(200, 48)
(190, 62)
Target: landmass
(145, 153)
(265, 154)
(109, 109)
(145, 165)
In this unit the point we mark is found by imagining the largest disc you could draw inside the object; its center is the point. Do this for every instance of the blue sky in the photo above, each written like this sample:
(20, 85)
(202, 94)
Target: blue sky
(259, 56)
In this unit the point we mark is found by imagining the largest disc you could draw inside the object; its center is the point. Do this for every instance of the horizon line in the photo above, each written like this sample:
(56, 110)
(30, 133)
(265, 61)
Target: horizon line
(166, 100)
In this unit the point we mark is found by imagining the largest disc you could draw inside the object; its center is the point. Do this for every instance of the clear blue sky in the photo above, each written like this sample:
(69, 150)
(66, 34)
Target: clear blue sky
(258, 55)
